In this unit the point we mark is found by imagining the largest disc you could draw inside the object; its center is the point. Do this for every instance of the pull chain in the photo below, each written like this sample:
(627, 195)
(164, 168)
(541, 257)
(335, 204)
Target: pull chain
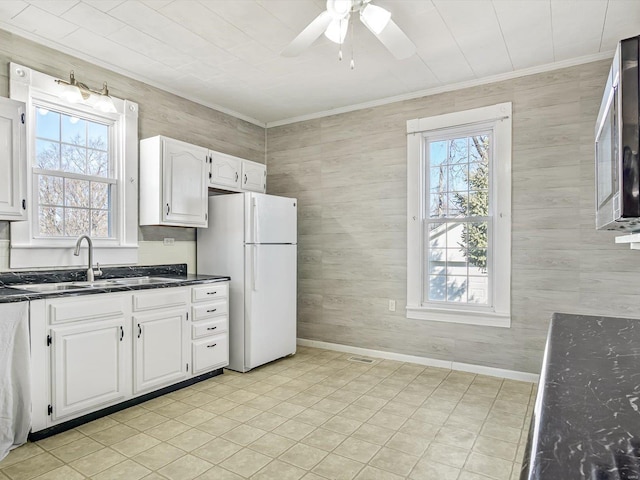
(340, 45)
(352, 64)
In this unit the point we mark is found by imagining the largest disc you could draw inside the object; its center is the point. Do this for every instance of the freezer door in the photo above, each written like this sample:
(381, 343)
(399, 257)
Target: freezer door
(270, 303)
(270, 219)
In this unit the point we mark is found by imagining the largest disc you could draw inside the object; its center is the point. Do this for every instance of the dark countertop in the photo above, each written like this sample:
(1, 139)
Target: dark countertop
(586, 421)
(177, 272)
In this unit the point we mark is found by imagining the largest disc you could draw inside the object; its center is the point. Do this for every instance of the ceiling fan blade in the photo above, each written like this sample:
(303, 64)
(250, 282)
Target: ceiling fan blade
(309, 35)
(395, 40)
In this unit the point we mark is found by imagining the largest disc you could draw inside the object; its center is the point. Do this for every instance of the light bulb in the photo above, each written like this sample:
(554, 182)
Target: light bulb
(71, 94)
(337, 30)
(375, 18)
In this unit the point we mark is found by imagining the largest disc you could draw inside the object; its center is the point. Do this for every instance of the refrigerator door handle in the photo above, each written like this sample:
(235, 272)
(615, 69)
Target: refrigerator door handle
(254, 269)
(256, 228)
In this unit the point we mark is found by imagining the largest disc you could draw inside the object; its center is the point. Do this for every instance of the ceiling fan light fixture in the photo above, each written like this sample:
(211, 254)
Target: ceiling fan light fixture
(339, 9)
(337, 30)
(375, 18)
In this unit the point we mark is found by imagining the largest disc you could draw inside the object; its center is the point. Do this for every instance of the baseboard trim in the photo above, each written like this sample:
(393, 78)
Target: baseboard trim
(428, 362)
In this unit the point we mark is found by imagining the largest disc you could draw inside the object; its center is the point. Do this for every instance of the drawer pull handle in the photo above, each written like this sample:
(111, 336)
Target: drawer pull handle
(211, 346)
(139, 330)
(211, 328)
(121, 333)
(211, 293)
(211, 311)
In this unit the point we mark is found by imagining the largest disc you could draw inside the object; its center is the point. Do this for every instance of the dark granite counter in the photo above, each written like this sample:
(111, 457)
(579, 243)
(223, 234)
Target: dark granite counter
(586, 421)
(178, 273)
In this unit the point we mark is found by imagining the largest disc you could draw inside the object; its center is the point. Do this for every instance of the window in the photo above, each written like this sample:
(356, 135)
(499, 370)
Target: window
(74, 175)
(83, 177)
(459, 202)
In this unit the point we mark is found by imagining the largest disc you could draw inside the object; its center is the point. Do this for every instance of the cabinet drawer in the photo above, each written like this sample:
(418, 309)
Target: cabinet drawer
(212, 327)
(86, 308)
(209, 292)
(212, 309)
(160, 298)
(210, 353)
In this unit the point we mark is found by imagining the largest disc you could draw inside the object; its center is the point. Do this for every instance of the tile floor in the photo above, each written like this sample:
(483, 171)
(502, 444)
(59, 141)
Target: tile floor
(312, 416)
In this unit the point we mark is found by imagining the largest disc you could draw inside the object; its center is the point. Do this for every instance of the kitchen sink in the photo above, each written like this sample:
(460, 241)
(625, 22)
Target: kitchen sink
(72, 286)
(145, 280)
(49, 287)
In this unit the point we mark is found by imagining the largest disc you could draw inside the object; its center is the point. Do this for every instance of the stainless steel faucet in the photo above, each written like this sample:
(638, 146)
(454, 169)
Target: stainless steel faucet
(90, 272)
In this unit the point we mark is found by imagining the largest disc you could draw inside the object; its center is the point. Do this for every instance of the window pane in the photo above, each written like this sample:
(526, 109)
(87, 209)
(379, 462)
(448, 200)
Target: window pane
(438, 179)
(76, 221)
(478, 290)
(437, 153)
(76, 193)
(97, 163)
(74, 159)
(50, 190)
(74, 130)
(100, 223)
(98, 136)
(47, 155)
(458, 176)
(438, 205)
(458, 151)
(50, 222)
(437, 288)
(456, 289)
(47, 124)
(100, 195)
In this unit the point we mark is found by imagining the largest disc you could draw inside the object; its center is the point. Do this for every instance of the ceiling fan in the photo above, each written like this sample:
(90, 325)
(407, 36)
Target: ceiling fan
(334, 22)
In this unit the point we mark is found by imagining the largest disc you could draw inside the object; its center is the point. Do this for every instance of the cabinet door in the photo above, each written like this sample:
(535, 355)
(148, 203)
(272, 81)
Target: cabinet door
(12, 160)
(185, 191)
(159, 349)
(87, 366)
(225, 170)
(254, 176)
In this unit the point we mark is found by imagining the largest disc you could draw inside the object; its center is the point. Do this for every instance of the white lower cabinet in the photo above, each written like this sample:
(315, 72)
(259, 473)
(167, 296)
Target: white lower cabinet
(159, 350)
(88, 366)
(94, 351)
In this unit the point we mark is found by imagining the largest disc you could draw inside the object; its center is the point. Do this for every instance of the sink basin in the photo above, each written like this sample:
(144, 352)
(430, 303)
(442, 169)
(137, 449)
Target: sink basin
(145, 280)
(50, 287)
(71, 286)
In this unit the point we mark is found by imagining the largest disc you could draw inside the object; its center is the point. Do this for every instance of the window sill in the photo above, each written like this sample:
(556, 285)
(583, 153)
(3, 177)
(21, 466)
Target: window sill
(29, 256)
(488, 319)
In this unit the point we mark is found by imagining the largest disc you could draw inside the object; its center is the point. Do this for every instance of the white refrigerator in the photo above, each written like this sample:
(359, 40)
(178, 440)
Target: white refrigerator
(252, 238)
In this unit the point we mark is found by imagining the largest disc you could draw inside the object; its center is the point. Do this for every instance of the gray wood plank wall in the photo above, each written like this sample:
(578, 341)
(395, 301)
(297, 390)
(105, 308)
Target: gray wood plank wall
(349, 173)
(161, 113)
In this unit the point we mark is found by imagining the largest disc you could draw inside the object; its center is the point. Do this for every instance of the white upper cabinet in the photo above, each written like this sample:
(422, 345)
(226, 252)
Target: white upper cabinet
(225, 171)
(236, 174)
(254, 176)
(173, 183)
(13, 162)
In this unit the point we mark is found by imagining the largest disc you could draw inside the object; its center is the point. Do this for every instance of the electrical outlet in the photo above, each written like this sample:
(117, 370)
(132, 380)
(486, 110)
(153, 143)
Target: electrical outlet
(169, 241)
(392, 305)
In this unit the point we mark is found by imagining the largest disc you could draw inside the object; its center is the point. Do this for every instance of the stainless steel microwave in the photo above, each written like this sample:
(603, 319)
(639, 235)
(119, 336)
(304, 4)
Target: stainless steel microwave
(618, 142)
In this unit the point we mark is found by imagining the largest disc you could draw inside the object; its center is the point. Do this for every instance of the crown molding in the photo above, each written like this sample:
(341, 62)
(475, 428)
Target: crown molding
(446, 88)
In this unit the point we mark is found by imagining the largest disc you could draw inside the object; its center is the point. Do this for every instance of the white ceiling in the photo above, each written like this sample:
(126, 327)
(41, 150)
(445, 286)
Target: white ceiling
(225, 53)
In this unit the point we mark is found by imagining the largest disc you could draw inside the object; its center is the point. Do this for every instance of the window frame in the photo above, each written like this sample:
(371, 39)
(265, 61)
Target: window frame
(27, 249)
(109, 121)
(498, 119)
